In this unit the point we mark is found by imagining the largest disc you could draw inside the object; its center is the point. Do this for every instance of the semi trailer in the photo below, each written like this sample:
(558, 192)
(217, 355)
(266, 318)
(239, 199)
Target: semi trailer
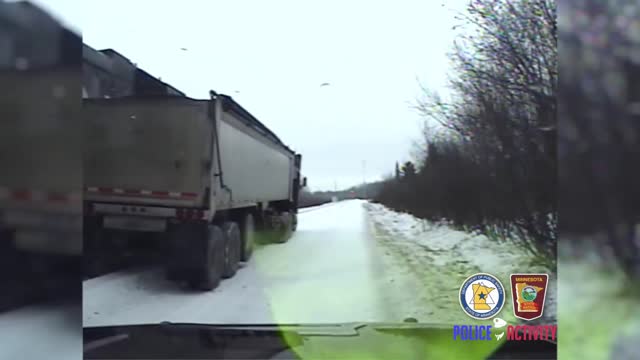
(201, 180)
(40, 144)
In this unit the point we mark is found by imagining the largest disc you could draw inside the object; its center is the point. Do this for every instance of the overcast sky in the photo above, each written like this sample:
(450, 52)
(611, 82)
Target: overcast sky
(272, 57)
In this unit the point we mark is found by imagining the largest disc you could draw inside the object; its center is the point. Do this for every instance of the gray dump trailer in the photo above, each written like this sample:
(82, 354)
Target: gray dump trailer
(40, 140)
(40, 149)
(203, 179)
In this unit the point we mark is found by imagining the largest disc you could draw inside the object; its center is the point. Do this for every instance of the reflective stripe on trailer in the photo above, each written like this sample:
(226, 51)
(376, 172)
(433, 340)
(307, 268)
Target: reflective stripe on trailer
(145, 193)
(28, 195)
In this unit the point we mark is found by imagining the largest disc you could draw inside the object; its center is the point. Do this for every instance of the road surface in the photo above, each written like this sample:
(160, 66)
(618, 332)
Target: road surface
(45, 331)
(40, 311)
(326, 272)
(348, 261)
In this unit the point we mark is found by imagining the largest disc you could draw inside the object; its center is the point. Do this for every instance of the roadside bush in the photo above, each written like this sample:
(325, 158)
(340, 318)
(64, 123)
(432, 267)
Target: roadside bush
(492, 164)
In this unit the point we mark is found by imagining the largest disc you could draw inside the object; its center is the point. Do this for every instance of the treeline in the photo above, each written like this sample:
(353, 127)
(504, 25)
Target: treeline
(364, 191)
(308, 199)
(491, 163)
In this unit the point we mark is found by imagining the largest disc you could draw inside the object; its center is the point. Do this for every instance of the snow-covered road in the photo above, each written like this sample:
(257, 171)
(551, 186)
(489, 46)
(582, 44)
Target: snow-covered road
(325, 273)
(348, 261)
(47, 331)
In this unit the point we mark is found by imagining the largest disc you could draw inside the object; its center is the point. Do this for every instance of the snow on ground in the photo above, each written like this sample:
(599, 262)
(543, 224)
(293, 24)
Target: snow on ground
(436, 260)
(349, 261)
(41, 332)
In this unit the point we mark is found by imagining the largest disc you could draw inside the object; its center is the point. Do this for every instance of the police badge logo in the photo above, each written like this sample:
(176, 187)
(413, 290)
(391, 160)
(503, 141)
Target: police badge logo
(482, 296)
(528, 293)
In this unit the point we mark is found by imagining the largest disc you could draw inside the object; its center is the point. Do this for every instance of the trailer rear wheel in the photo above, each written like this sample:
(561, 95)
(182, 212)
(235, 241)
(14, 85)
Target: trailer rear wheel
(232, 244)
(294, 221)
(285, 229)
(209, 275)
(248, 240)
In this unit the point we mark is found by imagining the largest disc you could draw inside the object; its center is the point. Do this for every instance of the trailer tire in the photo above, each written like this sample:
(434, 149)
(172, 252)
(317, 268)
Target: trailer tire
(210, 273)
(294, 222)
(285, 230)
(248, 240)
(232, 249)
